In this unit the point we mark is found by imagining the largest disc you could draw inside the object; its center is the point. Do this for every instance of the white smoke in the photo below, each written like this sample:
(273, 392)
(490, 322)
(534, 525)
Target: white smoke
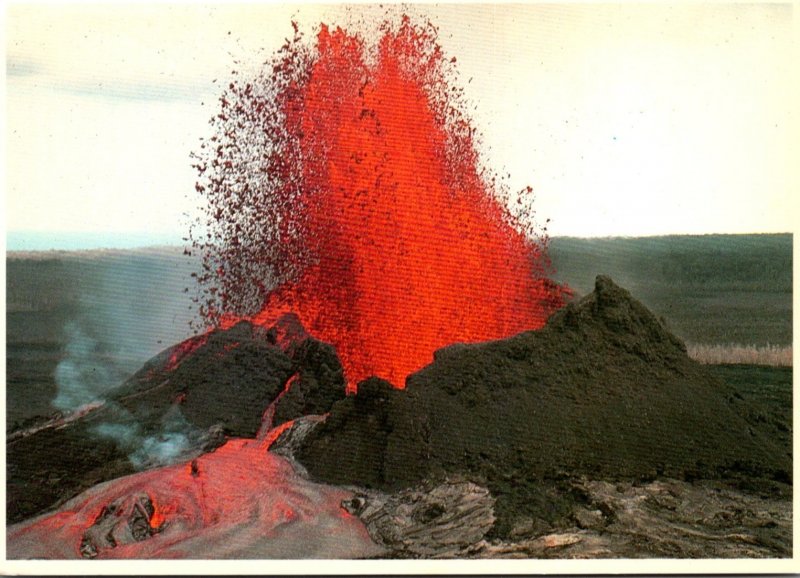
(163, 449)
(83, 375)
(174, 440)
(87, 373)
(131, 306)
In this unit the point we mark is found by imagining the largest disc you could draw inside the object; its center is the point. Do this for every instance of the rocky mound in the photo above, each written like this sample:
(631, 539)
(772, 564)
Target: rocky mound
(182, 403)
(604, 391)
(229, 377)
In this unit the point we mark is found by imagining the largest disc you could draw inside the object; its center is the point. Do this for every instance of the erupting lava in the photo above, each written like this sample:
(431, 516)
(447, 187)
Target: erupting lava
(343, 184)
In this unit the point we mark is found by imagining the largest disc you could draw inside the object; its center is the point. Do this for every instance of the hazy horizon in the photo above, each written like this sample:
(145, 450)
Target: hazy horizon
(44, 241)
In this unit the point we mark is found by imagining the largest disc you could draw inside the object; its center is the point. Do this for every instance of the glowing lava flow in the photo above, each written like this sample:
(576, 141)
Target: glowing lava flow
(352, 178)
(238, 502)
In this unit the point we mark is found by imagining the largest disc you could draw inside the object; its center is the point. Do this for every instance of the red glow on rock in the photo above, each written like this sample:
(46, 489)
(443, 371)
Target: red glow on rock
(161, 514)
(273, 434)
(240, 501)
(183, 349)
(368, 205)
(266, 432)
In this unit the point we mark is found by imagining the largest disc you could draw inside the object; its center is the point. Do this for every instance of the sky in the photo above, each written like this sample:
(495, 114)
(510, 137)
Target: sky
(631, 119)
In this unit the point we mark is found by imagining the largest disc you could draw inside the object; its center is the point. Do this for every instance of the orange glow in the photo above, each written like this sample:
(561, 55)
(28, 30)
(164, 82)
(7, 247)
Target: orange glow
(273, 434)
(183, 349)
(161, 513)
(237, 495)
(397, 242)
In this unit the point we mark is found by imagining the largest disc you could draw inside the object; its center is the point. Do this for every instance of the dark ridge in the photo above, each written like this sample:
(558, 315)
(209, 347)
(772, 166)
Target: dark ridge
(206, 388)
(603, 391)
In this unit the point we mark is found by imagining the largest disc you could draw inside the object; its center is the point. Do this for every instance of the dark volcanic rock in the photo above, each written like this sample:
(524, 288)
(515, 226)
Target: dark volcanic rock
(657, 519)
(229, 379)
(351, 445)
(124, 521)
(662, 519)
(602, 391)
(182, 403)
(319, 383)
(54, 464)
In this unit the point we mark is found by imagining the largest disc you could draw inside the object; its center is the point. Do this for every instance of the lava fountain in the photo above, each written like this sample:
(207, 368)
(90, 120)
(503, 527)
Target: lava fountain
(344, 184)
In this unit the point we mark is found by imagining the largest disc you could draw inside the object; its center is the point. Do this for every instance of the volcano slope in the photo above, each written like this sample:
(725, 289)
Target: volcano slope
(603, 392)
(184, 402)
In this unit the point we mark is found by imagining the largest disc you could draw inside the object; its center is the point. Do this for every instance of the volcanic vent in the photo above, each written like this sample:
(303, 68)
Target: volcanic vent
(343, 185)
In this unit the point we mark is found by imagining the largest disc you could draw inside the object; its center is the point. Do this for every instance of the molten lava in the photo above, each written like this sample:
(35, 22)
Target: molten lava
(237, 502)
(344, 185)
(185, 349)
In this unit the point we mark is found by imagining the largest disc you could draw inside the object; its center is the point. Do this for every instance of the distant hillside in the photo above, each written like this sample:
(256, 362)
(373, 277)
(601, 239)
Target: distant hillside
(710, 289)
(105, 311)
(135, 296)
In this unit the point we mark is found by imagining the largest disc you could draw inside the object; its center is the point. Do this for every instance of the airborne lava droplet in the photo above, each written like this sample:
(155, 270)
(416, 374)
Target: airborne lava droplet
(343, 184)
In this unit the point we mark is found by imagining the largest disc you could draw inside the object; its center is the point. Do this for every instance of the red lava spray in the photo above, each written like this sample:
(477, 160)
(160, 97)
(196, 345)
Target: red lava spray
(343, 184)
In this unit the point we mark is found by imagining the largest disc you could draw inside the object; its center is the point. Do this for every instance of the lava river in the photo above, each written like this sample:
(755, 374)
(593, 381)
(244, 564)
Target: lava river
(238, 502)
